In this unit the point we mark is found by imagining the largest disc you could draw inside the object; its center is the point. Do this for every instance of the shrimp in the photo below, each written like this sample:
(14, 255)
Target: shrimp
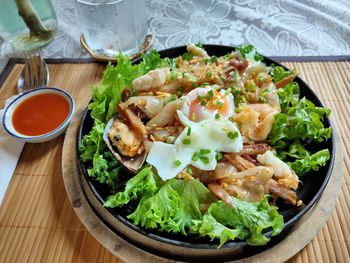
(269, 93)
(250, 184)
(166, 115)
(197, 51)
(219, 192)
(239, 162)
(128, 142)
(150, 105)
(285, 81)
(282, 172)
(256, 121)
(153, 79)
(254, 149)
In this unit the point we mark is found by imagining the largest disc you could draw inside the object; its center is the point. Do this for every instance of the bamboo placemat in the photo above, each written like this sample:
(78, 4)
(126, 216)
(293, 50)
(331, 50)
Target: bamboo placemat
(37, 221)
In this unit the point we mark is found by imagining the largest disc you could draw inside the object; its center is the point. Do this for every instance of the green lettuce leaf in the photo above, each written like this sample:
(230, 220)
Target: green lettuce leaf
(303, 161)
(193, 194)
(156, 210)
(246, 219)
(174, 207)
(302, 121)
(249, 52)
(143, 183)
(209, 226)
(278, 73)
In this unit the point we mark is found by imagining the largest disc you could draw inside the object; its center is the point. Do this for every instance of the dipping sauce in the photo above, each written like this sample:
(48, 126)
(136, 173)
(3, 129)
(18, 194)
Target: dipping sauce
(40, 114)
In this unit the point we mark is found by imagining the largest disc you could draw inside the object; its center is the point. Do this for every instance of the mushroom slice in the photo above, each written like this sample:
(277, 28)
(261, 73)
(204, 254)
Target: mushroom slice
(131, 163)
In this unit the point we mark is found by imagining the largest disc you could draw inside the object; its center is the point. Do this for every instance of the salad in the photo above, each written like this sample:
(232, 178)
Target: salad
(203, 146)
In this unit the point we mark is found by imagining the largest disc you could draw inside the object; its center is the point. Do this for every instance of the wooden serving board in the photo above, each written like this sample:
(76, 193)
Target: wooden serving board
(41, 220)
(301, 234)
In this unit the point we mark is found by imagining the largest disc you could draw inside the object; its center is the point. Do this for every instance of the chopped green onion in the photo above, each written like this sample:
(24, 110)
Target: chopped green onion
(213, 59)
(232, 135)
(208, 74)
(189, 131)
(204, 151)
(187, 56)
(177, 162)
(189, 170)
(195, 156)
(186, 141)
(210, 94)
(218, 156)
(179, 91)
(220, 104)
(172, 97)
(217, 116)
(251, 86)
(204, 160)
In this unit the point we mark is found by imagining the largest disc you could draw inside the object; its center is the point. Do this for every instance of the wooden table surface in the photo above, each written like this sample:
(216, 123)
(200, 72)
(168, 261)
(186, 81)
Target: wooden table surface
(38, 224)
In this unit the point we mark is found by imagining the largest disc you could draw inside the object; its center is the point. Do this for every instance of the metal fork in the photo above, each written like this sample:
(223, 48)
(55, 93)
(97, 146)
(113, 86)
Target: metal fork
(35, 73)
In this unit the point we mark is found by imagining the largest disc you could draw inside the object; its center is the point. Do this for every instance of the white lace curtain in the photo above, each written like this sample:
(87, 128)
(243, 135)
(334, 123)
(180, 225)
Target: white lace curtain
(275, 27)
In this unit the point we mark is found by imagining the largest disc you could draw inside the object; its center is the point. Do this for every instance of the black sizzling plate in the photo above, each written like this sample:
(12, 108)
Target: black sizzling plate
(309, 190)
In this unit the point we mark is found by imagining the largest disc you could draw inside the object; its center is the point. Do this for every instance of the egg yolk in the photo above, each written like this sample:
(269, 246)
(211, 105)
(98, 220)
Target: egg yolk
(213, 101)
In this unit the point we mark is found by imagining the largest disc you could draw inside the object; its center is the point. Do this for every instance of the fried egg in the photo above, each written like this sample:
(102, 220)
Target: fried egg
(207, 103)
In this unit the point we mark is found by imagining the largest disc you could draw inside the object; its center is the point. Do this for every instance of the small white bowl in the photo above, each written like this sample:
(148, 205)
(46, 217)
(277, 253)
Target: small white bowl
(7, 117)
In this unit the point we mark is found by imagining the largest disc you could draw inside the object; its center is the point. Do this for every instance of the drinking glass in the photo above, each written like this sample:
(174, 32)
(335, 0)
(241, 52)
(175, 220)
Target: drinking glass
(110, 26)
(14, 29)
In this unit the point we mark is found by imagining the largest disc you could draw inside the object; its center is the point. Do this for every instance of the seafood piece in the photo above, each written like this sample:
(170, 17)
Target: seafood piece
(166, 115)
(171, 87)
(282, 192)
(282, 172)
(236, 62)
(250, 159)
(153, 79)
(204, 176)
(150, 105)
(220, 193)
(269, 93)
(254, 149)
(250, 184)
(285, 81)
(134, 122)
(128, 143)
(239, 162)
(197, 51)
(163, 133)
(256, 121)
(253, 70)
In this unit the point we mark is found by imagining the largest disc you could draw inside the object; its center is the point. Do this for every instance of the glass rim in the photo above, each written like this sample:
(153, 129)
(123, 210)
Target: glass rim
(104, 2)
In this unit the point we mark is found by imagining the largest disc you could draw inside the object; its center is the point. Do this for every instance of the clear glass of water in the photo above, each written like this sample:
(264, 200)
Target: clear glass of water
(112, 26)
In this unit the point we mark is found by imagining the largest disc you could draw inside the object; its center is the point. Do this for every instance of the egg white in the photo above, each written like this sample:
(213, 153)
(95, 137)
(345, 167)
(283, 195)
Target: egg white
(209, 134)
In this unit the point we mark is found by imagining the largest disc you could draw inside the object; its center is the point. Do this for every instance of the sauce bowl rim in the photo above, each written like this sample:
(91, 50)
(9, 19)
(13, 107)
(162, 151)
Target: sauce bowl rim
(11, 107)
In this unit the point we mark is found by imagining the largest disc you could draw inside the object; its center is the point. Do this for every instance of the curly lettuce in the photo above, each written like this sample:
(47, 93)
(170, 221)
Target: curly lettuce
(177, 207)
(300, 121)
(105, 96)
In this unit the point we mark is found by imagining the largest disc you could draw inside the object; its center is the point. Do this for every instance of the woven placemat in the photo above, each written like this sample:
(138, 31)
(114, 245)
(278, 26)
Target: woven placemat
(38, 223)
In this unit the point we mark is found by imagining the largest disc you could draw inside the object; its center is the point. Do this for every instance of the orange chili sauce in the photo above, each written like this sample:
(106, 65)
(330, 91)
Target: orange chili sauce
(40, 114)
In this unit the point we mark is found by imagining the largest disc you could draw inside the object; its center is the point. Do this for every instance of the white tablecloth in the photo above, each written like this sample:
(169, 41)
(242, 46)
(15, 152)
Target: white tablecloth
(275, 27)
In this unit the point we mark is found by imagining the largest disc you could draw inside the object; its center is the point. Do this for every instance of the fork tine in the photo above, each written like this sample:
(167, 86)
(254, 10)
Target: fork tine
(26, 72)
(40, 71)
(34, 73)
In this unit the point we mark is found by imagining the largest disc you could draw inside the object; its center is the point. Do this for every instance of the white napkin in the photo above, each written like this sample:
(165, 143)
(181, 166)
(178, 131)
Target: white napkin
(10, 150)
